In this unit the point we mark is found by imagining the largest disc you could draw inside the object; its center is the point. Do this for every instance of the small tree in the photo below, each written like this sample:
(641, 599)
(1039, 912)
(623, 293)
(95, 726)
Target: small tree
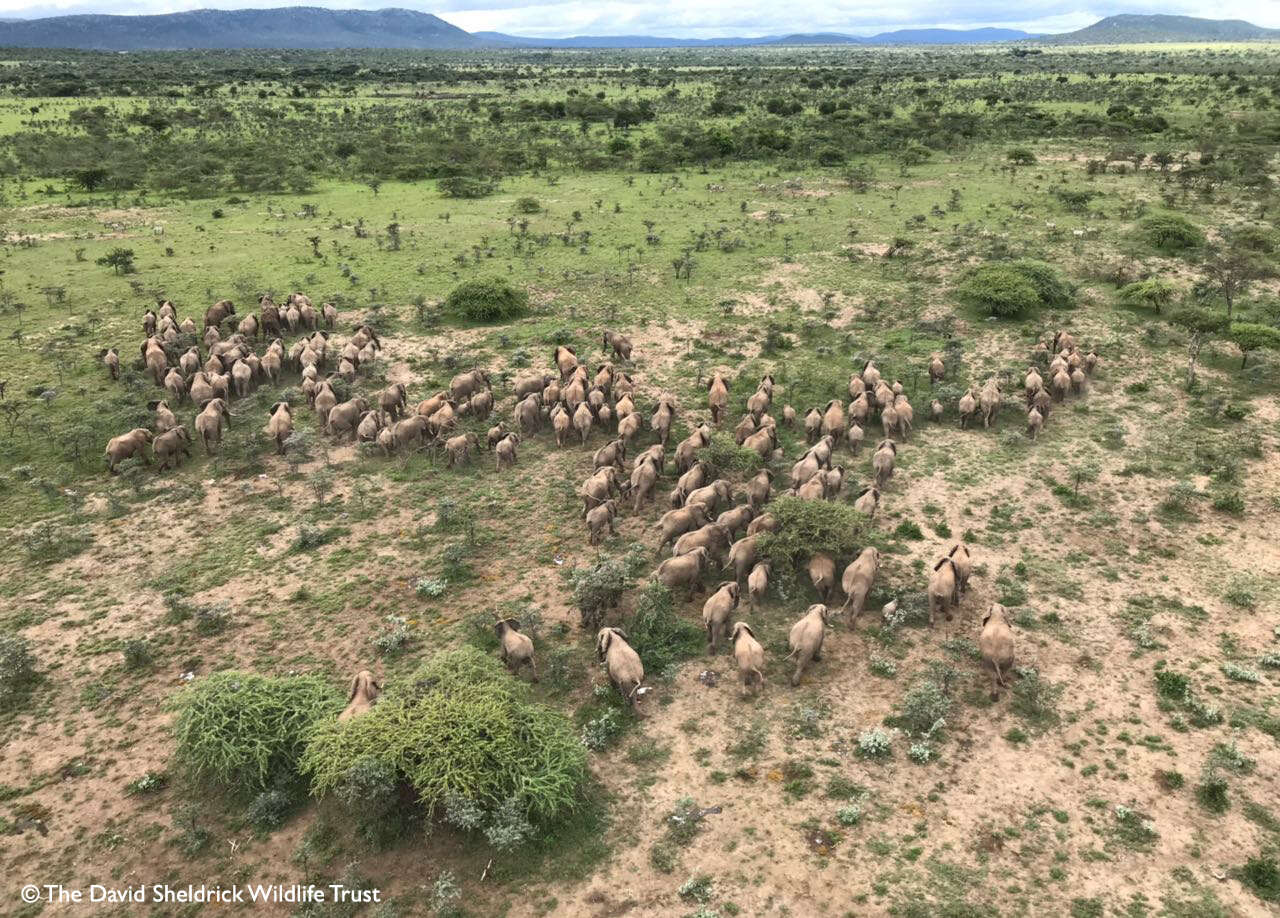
(1153, 293)
(1202, 325)
(1252, 336)
(1229, 271)
(119, 260)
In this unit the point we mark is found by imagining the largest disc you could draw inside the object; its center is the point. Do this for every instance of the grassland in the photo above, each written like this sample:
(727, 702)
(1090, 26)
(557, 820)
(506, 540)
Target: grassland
(1132, 770)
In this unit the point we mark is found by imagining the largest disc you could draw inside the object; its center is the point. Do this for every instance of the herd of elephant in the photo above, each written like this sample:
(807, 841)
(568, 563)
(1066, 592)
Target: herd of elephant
(703, 523)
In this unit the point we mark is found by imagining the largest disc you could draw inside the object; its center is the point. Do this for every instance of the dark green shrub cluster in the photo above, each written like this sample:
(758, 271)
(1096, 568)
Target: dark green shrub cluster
(17, 667)
(1169, 233)
(808, 526)
(728, 456)
(658, 634)
(487, 299)
(465, 736)
(466, 186)
(599, 587)
(242, 730)
(1014, 288)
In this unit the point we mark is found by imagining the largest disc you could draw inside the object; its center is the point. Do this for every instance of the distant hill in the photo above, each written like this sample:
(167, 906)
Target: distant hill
(1128, 29)
(284, 27)
(901, 37)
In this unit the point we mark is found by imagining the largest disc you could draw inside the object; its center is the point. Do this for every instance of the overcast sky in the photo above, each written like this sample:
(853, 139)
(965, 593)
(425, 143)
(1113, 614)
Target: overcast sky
(715, 18)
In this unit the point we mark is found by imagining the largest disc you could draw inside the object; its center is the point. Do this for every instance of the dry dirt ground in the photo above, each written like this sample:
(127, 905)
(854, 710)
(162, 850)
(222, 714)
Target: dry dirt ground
(1013, 815)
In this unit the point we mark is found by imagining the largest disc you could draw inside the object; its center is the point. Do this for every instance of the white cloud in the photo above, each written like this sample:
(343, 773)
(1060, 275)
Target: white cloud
(712, 18)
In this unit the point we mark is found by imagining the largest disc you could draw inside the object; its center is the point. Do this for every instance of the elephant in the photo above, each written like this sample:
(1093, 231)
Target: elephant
(995, 644)
(687, 450)
(806, 637)
(531, 385)
(620, 344)
(854, 437)
(149, 323)
(362, 696)
(565, 359)
(496, 433)
(746, 427)
(882, 462)
(462, 385)
(742, 556)
(822, 451)
(856, 386)
(272, 324)
(766, 522)
(1061, 384)
(736, 518)
(480, 404)
(241, 377)
(758, 487)
(582, 421)
(936, 411)
(1035, 420)
(889, 419)
(1078, 381)
(715, 614)
(330, 314)
(712, 495)
(599, 519)
(561, 425)
(822, 572)
(694, 477)
(906, 415)
(165, 419)
(515, 648)
(1063, 341)
(989, 401)
(279, 425)
(717, 397)
(443, 420)
(663, 415)
(868, 502)
(325, 400)
(391, 401)
(307, 316)
(126, 446)
(598, 488)
(833, 420)
(624, 407)
(762, 442)
(249, 326)
(1090, 362)
(1042, 402)
(968, 407)
(813, 489)
(603, 381)
(644, 479)
(758, 583)
(860, 409)
(410, 430)
(626, 672)
(713, 537)
(812, 425)
(937, 369)
(675, 523)
(749, 656)
(218, 313)
(1032, 383)
(760, 401)
(111, 360)
(870, 374)
(684, 570)
(176, 385)
(156, 361)
(458, 449)
(804, 470)
(857, 580)
(345, 417)
(964, 568)
(505, 451)
(527, 414)
(943, 589)
(371, 424)
(210, 421)
(172, 444)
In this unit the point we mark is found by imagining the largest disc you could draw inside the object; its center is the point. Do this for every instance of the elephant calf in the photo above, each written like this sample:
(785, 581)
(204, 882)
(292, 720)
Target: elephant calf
(515, 647)
(505, 451)
(599, 519)
(750, 657)
(943, 590)
(364, 693)
(716, 611)
(996, 646)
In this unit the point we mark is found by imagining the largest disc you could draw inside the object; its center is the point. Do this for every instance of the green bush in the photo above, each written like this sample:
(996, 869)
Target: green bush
(487, 299)
(242, 730)
(17, 667)
(1262, 875)
(462, 732)
(466, 186)
(598, 588)
(658, 634)
(528, 205)
(1253, 336)
(728, 456)
(1169, 233)
(1154, 294)
(808, 526)
(1011, 289)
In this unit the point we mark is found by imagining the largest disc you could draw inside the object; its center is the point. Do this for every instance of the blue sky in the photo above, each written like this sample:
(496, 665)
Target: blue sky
(712, 18)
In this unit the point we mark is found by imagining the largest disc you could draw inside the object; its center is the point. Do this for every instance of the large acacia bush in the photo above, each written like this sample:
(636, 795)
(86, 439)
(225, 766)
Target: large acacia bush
(808, 526)
(464, 735)
(1014, 288)
(1170, 233)
(487, 299)
(243, 731)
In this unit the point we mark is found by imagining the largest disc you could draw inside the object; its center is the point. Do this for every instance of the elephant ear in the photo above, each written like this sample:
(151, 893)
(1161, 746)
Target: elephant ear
(743, 626)
(355, 684)
(954, 548)
(941, 562)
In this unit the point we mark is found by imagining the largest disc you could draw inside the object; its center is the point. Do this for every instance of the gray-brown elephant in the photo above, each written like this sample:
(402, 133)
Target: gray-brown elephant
(515, 647)
(210, 421)
(995, 643)
(345, 418)
(806, 638)
(600, 520)
(620, 343)
(684, 570)
(857, 580)
(280, 425)
(126, 446)
(171, 446)
(622, 663)
(716, 612)
(391, 401)
(362, 696)
(749, 656)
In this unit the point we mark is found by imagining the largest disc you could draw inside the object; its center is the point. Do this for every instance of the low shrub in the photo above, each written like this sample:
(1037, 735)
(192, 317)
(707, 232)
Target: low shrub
(17, 667)
(658, 634)
(1169, 233)
(462, 730)
(466, 186)
(598, 588)
(808, 526)
(487, 299)
(727, 456)
(242, 730)
(1014, 288)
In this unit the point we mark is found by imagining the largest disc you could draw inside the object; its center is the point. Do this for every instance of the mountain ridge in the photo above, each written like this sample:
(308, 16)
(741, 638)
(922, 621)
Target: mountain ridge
(317, 28)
